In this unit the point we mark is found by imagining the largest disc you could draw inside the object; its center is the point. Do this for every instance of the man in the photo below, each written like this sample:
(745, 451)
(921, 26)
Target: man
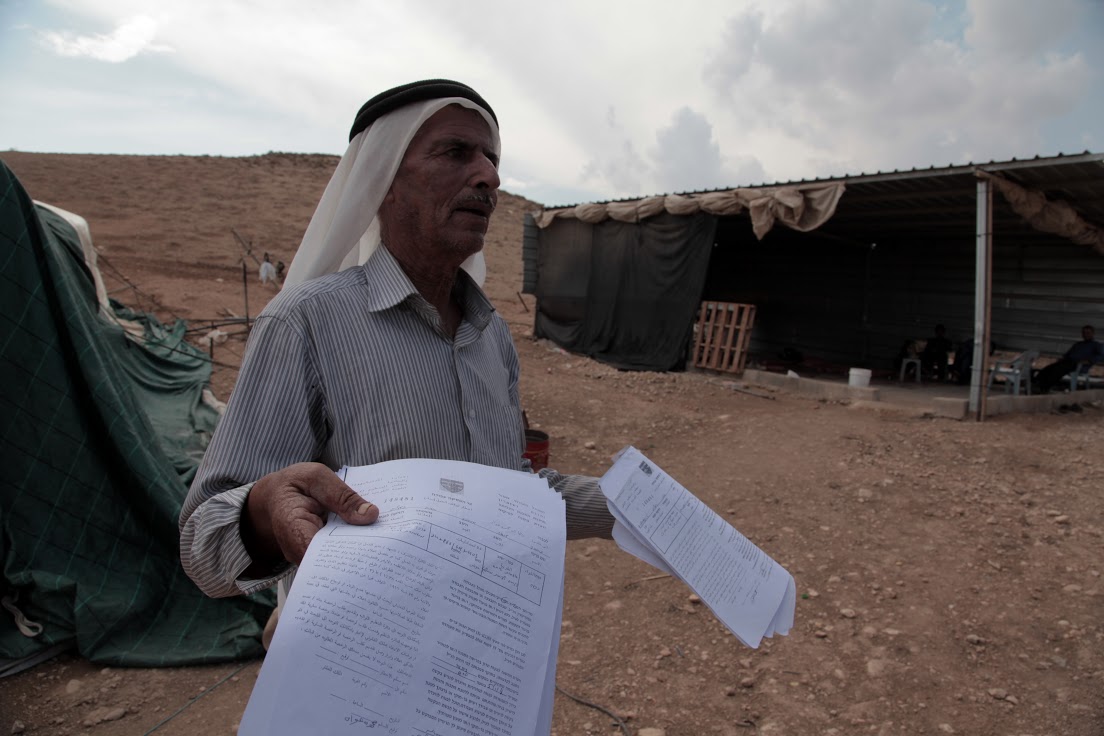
(936, 350)
(401, 357)
(1088, 350)
(268, 271)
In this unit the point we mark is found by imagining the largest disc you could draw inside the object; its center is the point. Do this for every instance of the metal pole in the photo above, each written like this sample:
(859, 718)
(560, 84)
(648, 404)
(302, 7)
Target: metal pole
(245, 290)
(983, 285)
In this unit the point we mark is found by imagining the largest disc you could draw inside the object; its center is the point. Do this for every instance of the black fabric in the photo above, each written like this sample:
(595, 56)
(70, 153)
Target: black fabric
(408, 94)
(625, 294)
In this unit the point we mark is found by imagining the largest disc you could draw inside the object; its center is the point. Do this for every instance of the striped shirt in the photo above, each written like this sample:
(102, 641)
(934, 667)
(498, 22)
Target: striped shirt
(352, 369)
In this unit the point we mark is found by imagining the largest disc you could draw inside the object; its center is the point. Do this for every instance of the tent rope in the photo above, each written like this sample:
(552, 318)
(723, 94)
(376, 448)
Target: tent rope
(196, 698)
(620, 723)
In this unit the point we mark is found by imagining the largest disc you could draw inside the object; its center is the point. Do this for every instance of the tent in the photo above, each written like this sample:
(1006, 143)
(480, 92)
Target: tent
(103, 426)
(859, 264)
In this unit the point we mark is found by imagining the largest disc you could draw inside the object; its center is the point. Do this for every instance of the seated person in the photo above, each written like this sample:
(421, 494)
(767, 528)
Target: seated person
(1088, 350)
(964, 359)
(934, 357)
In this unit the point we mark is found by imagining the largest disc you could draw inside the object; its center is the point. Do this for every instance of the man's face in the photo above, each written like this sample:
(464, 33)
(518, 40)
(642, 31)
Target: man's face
(1087, 333)
(445, 190)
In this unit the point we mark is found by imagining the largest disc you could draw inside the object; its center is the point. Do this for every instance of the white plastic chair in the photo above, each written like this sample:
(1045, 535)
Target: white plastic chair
(905, 364)
(1015, 371)
(1079, 376)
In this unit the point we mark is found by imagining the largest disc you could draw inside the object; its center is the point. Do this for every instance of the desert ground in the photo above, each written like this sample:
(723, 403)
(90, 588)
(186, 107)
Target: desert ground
(948, 572)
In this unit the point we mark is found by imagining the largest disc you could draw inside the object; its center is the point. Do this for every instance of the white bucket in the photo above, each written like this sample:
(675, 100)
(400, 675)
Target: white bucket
(859, 378)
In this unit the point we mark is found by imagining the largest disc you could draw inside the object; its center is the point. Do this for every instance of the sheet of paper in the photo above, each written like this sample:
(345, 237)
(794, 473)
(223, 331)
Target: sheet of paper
(746, 589)
(441, 618)
(629, 543)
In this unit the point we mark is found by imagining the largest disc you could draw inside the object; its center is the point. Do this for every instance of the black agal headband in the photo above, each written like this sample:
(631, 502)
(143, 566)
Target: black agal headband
(407, 94)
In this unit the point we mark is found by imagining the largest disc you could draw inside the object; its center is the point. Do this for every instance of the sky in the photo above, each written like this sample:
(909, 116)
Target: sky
(596, 99)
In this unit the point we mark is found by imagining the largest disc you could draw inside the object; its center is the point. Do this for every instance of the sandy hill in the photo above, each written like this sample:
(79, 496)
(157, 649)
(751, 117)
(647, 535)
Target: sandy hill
(166, 225)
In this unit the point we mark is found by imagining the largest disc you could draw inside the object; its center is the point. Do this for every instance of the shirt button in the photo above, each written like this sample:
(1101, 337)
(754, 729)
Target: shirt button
(471, 413)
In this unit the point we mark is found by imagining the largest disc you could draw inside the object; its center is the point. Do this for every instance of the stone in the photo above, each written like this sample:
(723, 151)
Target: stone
(73, 686)
(18, 727)
(876, 667)
(114, 714)
(998, 693)
(848, 612)
(651, 732)
(975, 639)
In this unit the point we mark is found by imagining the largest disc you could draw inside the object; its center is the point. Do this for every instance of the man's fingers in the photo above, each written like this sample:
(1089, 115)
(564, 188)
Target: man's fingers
(336, 496)
(299, 533)
(286, 509)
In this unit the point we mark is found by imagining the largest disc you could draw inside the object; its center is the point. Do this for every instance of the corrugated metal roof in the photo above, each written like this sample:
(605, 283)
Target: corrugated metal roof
(1044, 169)
(921, 204)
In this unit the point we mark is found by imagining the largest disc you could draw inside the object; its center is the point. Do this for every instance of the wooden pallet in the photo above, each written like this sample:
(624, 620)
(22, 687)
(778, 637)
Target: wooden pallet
(722, 336)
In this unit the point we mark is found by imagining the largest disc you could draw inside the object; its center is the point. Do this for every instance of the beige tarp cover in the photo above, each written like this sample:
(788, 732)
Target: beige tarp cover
(802, 208)
(1049, 217)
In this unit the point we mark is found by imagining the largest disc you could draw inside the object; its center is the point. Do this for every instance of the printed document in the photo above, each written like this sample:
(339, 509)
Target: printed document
(664, 524)
(441, 619)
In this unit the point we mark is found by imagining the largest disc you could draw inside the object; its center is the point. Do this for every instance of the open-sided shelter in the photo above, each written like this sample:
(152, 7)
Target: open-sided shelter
(841, 269)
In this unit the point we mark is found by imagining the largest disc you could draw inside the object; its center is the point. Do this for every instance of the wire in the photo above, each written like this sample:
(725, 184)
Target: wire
(122, 277)
(624, 729)
(194, 699)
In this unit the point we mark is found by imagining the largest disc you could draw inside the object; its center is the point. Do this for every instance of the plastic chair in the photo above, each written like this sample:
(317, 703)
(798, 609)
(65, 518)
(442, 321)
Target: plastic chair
(905, 363)
(1015, 371)
(1079, 376)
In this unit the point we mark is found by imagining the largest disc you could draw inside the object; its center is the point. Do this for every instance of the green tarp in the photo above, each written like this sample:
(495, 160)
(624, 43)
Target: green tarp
(101, 434)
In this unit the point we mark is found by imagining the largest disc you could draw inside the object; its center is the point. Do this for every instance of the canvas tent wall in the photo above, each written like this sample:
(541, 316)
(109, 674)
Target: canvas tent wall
(621, 281)
(895, 257)
(101, 433)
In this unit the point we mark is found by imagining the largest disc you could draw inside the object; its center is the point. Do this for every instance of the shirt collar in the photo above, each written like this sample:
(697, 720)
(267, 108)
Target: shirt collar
(391, 287)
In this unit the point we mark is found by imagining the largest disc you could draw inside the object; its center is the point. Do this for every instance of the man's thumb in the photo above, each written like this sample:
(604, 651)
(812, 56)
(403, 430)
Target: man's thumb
(356, 510)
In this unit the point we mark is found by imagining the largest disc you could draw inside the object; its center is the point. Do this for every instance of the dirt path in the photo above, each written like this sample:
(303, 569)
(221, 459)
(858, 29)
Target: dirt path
(949, 572)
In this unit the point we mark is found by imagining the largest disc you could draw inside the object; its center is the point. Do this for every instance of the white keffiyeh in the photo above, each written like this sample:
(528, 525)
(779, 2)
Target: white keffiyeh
(344, 230)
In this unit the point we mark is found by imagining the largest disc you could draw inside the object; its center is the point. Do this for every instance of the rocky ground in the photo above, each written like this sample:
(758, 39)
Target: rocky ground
(948, 572)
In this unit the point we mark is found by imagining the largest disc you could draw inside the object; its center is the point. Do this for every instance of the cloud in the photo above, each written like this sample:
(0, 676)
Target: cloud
(618, 165)
(131, 38)
(686, 156)
(1031, 28)
(861, 85)
(737, 92)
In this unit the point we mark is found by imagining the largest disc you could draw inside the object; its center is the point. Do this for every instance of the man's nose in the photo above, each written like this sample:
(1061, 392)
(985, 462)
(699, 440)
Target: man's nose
(485, 175)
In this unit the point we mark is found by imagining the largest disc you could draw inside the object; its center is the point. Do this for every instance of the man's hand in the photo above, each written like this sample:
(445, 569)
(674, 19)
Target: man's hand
(285, 509)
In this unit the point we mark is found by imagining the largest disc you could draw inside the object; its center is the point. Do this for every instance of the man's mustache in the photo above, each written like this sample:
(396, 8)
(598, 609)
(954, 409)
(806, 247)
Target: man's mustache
(479, 200)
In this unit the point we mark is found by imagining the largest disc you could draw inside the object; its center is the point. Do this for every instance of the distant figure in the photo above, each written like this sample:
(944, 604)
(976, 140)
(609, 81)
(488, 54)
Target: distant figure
(934, 357)
(1087, 350)
(268, 271)
(964, 359)
(280, 270)
(908, 351)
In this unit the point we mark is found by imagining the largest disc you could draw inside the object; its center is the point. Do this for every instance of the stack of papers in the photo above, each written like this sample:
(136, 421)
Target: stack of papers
(665, 525)
(443, 617)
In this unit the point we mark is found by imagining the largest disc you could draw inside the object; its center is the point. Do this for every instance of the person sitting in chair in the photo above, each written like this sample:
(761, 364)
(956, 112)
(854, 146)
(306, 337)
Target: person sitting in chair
(934, 357)
(1088, 350)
